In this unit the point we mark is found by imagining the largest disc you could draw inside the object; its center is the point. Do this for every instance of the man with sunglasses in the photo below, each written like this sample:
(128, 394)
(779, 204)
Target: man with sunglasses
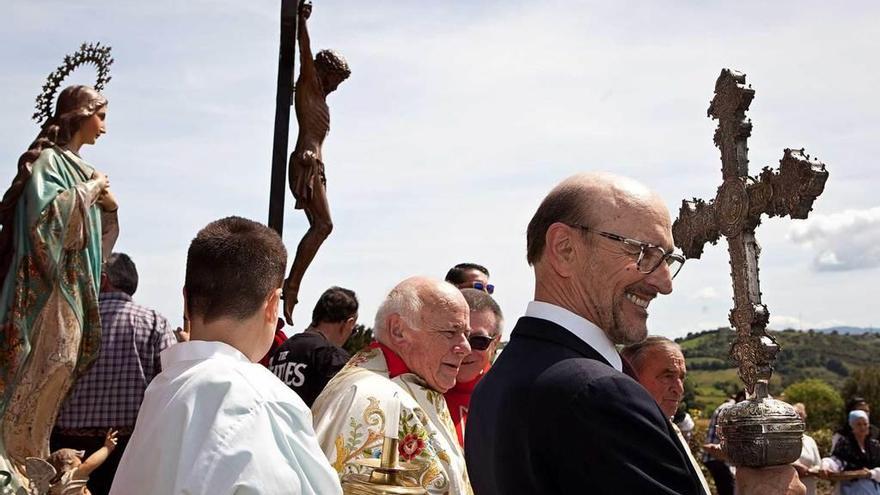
(486, 321)
(470, 276)
(557, 413)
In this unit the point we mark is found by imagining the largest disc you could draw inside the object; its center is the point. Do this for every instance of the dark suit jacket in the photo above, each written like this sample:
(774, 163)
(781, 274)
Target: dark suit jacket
(553, 417)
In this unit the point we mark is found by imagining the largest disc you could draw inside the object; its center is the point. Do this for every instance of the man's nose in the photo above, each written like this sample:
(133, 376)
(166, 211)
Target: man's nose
(660, 279)
(678, 386)
(462, 347)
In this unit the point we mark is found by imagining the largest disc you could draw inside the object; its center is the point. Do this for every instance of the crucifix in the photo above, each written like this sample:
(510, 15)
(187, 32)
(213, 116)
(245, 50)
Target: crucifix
(735, 213)
(320, 75)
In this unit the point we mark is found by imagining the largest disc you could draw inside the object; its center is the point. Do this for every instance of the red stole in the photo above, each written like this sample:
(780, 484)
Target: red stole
(458, 399)
(396, 366)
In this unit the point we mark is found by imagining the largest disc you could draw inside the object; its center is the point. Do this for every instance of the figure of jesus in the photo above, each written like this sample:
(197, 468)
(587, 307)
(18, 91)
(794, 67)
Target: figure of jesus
(319, 76)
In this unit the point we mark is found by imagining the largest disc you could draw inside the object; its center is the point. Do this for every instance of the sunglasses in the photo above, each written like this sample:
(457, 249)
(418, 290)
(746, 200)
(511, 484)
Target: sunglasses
(489, 288)
(480, 342)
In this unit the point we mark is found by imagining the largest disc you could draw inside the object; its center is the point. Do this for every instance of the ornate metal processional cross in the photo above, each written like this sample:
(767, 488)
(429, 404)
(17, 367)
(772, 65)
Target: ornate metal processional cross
(736, 212)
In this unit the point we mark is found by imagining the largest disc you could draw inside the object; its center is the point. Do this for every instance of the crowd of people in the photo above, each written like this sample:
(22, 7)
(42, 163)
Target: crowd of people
(228, 404)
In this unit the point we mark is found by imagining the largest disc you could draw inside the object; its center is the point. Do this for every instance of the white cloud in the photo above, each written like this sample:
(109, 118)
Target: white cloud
(784, 322)
(848, 240)
(706, 293)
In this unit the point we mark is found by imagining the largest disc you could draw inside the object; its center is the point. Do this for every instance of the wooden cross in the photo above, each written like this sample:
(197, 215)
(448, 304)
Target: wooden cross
(736, 212)
(283, 101)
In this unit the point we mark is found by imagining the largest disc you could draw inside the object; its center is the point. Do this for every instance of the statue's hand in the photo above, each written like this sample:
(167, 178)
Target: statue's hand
(107, 201)
(305, 9)
(111, 440)
(103, 180)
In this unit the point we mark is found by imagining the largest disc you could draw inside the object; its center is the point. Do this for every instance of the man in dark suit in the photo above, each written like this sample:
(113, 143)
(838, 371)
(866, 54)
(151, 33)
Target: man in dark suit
(558, 413)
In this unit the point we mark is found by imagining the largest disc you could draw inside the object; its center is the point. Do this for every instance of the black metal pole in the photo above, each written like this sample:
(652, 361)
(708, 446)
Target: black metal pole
(283, 102)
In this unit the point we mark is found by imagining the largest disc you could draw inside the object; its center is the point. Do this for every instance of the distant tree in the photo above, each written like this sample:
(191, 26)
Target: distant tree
(728, 387)
(361, 337)
(689, 399)
(835, 365)
(864, 382)
(821, 400)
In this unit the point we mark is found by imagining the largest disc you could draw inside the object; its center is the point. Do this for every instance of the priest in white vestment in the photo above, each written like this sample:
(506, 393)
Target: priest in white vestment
(215, 422)
(421, 330)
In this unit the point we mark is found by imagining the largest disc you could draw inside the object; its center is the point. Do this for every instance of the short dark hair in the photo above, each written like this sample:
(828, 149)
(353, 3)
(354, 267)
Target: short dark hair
(635, 353)
(121, 272)
(335, 305)
(564, 204)
(479, 300)
(455, 275)
(853, 402)
(231, 267)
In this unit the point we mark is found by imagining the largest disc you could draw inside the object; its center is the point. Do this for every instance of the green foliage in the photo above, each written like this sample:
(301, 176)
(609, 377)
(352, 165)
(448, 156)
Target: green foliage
(688, 400)
(829, 357)
(865, 383)
(823, 440)
(360, 337)
(822, 402)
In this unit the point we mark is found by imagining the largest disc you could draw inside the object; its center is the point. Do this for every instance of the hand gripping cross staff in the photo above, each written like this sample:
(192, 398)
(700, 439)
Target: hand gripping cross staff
(319, 76)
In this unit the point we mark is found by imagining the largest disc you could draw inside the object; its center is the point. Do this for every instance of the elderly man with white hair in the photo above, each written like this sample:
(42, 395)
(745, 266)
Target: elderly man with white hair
(422, 332)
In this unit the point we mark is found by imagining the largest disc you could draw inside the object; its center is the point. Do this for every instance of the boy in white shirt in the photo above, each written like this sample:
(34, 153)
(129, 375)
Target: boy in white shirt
(214, 421)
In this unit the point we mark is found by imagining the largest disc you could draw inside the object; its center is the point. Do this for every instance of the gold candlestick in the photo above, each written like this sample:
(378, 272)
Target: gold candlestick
(383, 479)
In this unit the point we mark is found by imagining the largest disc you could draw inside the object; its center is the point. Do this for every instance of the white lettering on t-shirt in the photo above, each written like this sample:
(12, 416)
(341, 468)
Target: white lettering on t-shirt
(293, 374)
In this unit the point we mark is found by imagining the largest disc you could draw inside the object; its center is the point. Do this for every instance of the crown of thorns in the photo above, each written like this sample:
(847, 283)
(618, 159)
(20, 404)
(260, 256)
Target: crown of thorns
(92, 53)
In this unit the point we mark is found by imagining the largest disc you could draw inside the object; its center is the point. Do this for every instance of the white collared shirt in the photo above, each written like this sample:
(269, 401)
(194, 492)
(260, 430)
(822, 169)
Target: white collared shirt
(214, 423)
(583, 328)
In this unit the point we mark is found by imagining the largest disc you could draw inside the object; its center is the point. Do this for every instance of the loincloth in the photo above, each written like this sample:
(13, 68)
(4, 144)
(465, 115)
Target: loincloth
(307, 169)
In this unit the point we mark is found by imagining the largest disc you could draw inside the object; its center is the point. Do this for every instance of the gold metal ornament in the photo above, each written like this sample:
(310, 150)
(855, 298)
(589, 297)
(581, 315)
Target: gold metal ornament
(384, 478)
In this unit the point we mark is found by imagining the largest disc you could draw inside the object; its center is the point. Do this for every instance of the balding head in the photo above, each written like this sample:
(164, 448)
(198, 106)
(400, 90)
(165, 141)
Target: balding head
(590, 199)
(573, 241)
(425, 321)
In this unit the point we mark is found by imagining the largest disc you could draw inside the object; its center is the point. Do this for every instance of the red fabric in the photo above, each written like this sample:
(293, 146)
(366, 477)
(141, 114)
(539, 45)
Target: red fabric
(458, 399)
(395, 363)
(280, 338)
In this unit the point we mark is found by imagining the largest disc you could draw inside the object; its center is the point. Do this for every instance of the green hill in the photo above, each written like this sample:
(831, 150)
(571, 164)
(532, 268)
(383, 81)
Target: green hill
(828, 356)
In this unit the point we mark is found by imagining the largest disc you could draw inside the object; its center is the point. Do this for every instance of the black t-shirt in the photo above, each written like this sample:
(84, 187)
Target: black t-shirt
(306, 362)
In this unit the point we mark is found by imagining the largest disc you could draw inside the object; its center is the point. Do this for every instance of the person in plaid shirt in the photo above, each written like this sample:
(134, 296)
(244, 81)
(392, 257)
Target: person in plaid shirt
(109, 395)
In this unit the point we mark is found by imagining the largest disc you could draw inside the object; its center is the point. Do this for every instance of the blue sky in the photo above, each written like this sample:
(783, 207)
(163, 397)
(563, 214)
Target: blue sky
(459, 117)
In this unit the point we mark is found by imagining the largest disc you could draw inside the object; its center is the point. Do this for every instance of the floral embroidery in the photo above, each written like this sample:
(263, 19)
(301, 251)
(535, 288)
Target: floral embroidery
(411, 446)
(427, 438)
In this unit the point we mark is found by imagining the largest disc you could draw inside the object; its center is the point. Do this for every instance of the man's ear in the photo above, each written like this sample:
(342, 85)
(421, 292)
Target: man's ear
(397, 330)
(185, 305)
(560, 249)
(272, 302)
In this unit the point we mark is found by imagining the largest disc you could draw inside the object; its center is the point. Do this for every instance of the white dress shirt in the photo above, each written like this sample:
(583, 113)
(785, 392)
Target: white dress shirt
(214, 423)
(583, 328)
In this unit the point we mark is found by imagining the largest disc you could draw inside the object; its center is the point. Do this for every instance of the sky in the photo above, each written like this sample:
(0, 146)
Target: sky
(457, 120)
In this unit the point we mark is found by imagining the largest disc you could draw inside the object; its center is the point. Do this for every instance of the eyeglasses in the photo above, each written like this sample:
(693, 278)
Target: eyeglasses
(651, 256)
(480, 342)
(489, 288)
